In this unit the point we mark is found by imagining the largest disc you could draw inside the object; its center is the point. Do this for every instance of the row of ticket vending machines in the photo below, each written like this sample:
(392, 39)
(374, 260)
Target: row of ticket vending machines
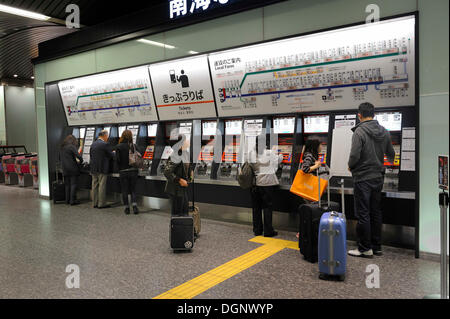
(18, 167)
(218, 145)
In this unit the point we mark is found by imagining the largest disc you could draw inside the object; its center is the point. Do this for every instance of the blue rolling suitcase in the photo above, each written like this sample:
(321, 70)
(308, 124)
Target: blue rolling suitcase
(332, 255)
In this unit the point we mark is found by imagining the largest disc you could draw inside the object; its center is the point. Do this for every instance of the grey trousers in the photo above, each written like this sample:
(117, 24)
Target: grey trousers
(98, 191)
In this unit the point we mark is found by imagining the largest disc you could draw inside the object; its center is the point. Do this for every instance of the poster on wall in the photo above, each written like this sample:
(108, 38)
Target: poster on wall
(123, 96)
(331, 70)
(183, 89)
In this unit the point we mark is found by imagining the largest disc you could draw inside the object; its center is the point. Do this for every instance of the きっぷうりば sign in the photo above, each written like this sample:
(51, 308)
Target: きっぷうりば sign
(183, 89)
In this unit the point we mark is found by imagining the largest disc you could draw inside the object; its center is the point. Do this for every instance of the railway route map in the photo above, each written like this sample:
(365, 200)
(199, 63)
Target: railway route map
(332, 70)
(123, 96)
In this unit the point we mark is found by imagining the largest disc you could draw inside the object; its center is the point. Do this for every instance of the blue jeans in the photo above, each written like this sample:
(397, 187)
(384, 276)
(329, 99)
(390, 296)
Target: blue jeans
(367, 196)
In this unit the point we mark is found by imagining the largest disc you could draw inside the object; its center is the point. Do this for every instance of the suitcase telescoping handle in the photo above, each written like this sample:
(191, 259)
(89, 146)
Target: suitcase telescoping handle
(342, 197)
(328, 188)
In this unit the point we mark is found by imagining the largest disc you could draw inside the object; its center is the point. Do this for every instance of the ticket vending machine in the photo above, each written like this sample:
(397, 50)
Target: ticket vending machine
(148, 155)
(205, 158)
(392, 121)
(165, 149)
(284, 128)
(228, 167)
(317, 126)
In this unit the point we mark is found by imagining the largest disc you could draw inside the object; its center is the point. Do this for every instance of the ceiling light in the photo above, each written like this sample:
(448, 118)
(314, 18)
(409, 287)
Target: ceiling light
(23, 13)
(192, 52)
(158, 44)
(32, 77)
(15, 75)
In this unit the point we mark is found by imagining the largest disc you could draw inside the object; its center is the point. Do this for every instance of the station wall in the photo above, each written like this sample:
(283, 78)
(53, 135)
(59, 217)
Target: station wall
(20, 117)
(284, 19)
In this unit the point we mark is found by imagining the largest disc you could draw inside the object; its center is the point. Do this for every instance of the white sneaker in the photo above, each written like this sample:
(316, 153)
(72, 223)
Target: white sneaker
(364, 254)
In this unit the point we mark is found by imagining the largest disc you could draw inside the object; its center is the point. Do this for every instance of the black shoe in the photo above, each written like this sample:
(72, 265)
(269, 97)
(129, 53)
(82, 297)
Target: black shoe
(127, 211)
(135, 210)
(378, 252)
(106, 206)
(75, 203)
(258, 234)
(273, 234)
(95, 206)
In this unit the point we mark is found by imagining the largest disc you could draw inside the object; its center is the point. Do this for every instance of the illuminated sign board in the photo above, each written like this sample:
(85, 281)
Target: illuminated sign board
(182, 8)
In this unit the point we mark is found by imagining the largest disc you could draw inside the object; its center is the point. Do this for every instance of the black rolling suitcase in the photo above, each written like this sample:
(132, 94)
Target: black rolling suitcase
(59, 190)
(181, 232)
(310, 214)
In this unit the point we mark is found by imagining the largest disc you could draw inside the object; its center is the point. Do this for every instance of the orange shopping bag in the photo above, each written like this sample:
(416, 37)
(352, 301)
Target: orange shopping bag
(307, 186)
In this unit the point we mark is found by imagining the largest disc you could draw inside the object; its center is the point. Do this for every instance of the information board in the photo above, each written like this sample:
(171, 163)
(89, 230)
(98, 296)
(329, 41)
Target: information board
(348, 120)
(123, 96)
(331, 70)
(183, 89)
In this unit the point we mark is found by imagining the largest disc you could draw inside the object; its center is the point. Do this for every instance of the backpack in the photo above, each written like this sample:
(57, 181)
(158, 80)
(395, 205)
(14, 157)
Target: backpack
(135, 158)
(246, 176)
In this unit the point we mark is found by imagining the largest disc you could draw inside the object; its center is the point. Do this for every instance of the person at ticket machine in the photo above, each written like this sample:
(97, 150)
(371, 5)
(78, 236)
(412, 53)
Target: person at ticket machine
(370, 142)
(179, 173)
(310, 160)
(71, 161)
(265, 164)
(128, 174)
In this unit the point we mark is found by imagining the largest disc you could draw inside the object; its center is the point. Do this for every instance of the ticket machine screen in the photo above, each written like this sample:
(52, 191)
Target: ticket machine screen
(233, 127)
(392, 121)
(284, 125)
(316, 124)
(151, 130)
(209, 128)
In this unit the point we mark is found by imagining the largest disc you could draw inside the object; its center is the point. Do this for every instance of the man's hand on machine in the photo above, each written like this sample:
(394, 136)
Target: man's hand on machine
(183, 182)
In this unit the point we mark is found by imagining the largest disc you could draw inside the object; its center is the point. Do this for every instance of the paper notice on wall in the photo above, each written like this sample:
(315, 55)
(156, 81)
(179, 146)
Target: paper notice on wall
(409, 144)
(409, 132)
(408, 161)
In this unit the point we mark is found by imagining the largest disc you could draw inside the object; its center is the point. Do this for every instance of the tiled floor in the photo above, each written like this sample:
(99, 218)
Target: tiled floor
(124, 256)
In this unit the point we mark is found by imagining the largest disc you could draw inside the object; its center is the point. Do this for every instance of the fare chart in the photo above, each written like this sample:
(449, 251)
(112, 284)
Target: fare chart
(332, 70)
(115, 97)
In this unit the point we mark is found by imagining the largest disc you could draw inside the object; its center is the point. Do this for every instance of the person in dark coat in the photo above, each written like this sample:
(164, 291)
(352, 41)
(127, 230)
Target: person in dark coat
(179, 173)
(71, 161)
(128, 174)
(101, 155)
(370, 143)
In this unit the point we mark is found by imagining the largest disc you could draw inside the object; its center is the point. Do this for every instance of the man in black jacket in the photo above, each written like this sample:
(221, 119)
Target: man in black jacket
(370, 143)
(100, 154)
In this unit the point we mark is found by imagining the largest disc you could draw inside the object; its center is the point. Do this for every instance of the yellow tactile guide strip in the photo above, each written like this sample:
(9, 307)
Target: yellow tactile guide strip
(215, 276)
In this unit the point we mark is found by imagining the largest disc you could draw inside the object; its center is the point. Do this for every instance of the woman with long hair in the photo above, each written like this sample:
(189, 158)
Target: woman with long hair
(71, 161)
(311, 156)
(128, 174)
(311, 160)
